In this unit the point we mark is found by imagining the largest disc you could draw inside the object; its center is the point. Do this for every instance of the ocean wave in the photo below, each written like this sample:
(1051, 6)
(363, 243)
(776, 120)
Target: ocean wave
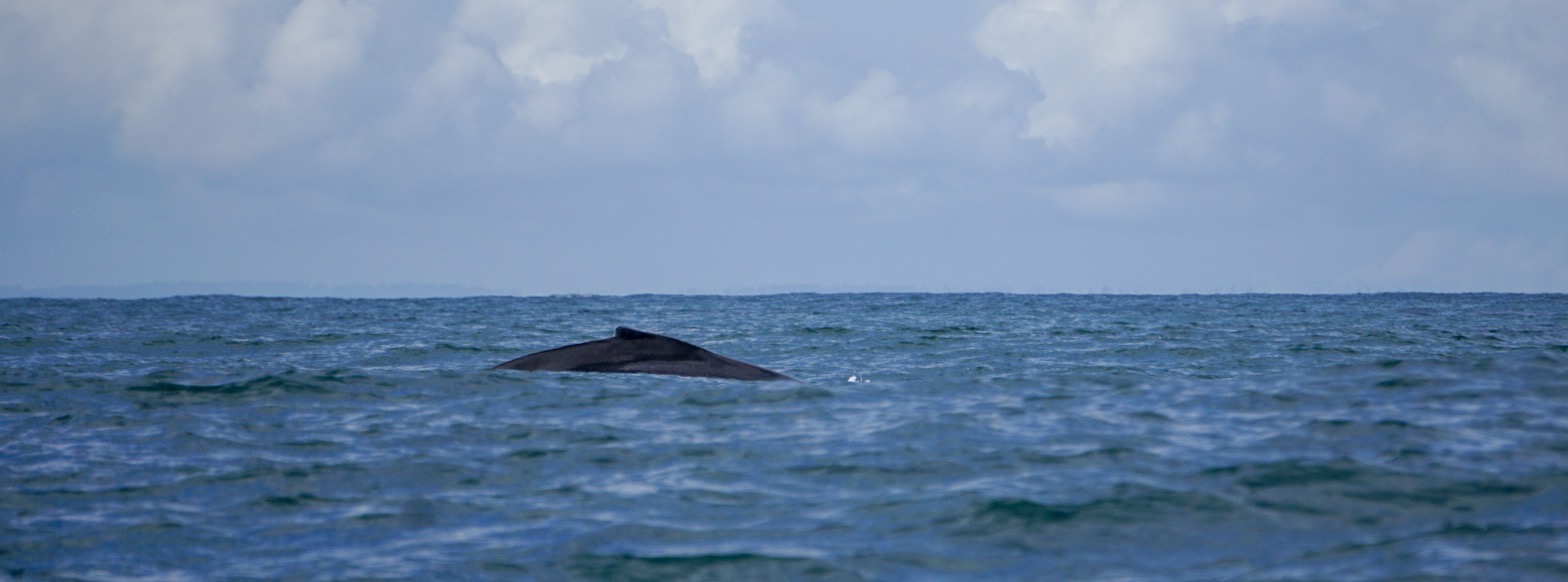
(1001, 437)
(257, 386)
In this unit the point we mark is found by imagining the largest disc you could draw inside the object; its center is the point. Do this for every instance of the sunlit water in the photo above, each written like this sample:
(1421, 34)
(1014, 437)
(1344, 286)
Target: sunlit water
(934, 437)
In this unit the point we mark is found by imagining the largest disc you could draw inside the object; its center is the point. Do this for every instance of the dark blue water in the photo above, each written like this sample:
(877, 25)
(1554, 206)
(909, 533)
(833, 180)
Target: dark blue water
(934, 437)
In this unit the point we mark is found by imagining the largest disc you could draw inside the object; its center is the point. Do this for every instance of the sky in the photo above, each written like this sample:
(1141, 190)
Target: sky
(344, 147)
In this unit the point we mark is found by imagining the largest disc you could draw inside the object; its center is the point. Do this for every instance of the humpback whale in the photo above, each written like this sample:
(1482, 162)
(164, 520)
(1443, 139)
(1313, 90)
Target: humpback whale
(639, 352)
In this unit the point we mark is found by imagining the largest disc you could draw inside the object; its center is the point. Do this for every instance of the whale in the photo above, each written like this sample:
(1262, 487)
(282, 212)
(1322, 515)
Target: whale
(632, 351)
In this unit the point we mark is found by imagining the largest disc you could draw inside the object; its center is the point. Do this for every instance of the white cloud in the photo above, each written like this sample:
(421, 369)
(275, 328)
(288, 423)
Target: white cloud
(545, 65)
(1097, 63)
(644, 86)
(709, 31)
(872, 118)
(166, 69)
(175, 77)
(319, 41)
(1468, 89)
(541, 42)
(1458, 87)
(761, 109)
(572, 62)
(1280, 11)
(547, 107)
(105, 45)
(449, 95)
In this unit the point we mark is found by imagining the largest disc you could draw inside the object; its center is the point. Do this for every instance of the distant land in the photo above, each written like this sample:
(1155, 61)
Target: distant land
(430, 290)
(425, 290)
(155, 290)
(414, 290)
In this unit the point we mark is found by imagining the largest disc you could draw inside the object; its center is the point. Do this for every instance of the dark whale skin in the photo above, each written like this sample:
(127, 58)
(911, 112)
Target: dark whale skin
(639, 352)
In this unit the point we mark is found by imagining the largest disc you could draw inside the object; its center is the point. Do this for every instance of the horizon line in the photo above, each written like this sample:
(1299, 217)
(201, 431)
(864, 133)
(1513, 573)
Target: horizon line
(456, 291)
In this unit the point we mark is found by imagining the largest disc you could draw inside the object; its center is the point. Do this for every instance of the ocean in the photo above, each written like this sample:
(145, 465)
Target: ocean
(931, 437)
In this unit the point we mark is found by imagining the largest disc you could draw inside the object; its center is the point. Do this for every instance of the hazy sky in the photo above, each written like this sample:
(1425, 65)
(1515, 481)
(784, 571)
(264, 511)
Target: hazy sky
(626, 146)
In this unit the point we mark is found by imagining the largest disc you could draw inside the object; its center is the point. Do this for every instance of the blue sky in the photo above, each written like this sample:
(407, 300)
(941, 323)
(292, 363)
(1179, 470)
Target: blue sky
(631, 146)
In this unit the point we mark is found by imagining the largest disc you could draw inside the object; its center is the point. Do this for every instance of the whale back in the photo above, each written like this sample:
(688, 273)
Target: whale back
(632, 351)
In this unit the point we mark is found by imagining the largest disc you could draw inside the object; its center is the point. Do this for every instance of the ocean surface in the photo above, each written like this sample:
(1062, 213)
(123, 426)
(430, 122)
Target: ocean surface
(932, 437)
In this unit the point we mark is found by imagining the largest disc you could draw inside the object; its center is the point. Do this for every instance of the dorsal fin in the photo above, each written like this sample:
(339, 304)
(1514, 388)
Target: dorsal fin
(627, 333)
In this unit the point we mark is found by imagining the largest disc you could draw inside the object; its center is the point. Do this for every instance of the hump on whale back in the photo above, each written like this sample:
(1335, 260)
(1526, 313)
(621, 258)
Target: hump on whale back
(627, 333)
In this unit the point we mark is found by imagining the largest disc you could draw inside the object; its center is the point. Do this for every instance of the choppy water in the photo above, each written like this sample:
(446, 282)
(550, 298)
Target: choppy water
(985, 437)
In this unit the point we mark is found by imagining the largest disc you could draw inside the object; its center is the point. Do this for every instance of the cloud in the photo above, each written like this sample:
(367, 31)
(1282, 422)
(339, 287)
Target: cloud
(761, 109)
(1281, 11)
(451, 95)
(546, 48)
(1319, 128)
(1097, 63)
(709, 31)
(539, 42)
(178, 79)
(584, 70)
(152, 67)
(1521, 111)
(1475, 89)
(872, 118)
(319, 41)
